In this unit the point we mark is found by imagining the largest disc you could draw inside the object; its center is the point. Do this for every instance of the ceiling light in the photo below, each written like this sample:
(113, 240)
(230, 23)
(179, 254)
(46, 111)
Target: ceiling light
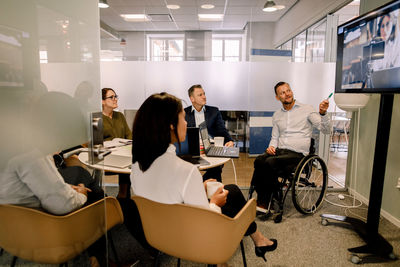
(207, 6)
(135, 17)
(270, 6)
(211, 17)
(103, 4)
(279, 7)
(173, 7)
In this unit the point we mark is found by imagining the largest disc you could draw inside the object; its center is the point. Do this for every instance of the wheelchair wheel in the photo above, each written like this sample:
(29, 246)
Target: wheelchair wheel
(309, 184)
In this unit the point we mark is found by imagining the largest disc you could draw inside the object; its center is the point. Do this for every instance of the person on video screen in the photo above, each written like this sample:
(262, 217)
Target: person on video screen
(388, 31)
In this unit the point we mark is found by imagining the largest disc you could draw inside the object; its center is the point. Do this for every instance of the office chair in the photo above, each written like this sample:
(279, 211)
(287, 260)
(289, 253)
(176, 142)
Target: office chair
(308, 182)
(193, 233)
(41, 237)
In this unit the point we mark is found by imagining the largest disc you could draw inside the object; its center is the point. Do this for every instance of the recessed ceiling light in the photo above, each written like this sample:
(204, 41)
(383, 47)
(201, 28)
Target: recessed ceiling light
(207, 6)
(211, 17)
(279, 7)
(103, 4)
(173, 7)
(135, 17)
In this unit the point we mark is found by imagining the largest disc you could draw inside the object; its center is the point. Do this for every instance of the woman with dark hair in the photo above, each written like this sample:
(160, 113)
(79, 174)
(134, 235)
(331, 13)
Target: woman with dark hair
(388, 32)
(159, 175)
(115, 126)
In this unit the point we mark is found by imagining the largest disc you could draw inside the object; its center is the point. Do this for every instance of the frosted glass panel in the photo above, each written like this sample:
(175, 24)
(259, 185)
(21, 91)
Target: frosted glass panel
(230, 86)
(49, 82)
(310, 82)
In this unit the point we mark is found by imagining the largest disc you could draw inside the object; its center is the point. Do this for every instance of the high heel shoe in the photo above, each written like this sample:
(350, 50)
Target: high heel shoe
(260, 251)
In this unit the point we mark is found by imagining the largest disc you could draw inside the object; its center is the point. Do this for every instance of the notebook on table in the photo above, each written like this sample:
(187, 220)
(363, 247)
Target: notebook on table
(190, 148)
(215, 151)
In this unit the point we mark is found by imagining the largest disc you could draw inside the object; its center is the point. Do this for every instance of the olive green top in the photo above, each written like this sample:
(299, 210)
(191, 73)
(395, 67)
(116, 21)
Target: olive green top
(116, 127)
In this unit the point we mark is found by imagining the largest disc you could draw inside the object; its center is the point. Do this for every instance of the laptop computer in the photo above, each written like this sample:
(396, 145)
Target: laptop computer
(215, 151)
(190, 148)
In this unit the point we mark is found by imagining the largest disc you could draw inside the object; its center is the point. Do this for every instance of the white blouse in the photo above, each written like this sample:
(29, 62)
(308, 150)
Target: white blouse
(32, 180)
(171, 180)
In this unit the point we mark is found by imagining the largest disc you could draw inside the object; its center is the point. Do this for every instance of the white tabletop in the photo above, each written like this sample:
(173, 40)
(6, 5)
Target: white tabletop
(338, 118)
(126, 151)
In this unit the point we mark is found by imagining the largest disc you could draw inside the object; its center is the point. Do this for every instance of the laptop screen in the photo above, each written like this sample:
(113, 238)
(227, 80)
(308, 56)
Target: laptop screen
(204, 135)
(191, 145)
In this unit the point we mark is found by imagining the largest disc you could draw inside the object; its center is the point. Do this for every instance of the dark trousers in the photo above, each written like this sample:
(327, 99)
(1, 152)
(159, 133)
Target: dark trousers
(77, 175)
(234, 203)
(133, 222)
(214, 173)
(267, 169)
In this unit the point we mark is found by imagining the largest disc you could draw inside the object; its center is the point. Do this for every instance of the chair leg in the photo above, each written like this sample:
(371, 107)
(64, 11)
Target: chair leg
(14, 260)
(179, 262)
(243, 254)
(157, 259)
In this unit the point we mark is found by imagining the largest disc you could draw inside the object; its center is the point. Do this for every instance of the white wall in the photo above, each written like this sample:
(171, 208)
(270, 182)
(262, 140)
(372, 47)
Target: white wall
(261, 34)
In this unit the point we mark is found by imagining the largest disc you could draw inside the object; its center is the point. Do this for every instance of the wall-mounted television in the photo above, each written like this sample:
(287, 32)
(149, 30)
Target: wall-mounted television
(368, 52)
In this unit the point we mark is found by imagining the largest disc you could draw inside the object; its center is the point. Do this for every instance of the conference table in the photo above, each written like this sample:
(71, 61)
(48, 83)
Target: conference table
(126, 151)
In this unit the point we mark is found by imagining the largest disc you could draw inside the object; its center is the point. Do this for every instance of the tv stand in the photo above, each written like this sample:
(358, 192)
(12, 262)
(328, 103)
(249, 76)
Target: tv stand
(368, 231)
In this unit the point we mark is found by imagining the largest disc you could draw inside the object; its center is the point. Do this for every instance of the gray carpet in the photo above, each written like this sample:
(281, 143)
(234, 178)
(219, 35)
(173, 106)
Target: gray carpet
(303, 241)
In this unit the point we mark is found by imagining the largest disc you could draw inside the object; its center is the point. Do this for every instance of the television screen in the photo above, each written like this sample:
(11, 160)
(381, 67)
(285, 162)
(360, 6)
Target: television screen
(368, 52)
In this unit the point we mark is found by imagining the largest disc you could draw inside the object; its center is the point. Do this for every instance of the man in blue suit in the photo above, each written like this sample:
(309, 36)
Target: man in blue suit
(199, 112)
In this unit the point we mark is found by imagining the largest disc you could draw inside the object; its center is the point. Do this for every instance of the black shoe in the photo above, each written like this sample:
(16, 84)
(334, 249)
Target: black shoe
(260, 251)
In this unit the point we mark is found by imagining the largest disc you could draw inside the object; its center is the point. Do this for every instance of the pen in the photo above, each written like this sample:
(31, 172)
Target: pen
(329, 96)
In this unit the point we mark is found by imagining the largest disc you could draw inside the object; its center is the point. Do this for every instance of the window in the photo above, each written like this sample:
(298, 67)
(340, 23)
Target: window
(226, 48)
(315, 50)
(287, 45)
(43, 56)
(300, 47)
(162, 48)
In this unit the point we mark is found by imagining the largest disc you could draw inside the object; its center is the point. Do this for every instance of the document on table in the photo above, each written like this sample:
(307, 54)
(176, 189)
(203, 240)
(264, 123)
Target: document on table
(117, 142)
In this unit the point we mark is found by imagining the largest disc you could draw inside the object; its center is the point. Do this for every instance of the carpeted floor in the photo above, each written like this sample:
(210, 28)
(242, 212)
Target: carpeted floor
(303, 241)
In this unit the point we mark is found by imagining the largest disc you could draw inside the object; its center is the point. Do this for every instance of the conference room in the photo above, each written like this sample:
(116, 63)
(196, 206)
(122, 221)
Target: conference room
(56, 56)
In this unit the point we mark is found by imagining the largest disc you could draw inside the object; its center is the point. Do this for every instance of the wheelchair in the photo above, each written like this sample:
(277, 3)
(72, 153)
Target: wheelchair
(307, 181)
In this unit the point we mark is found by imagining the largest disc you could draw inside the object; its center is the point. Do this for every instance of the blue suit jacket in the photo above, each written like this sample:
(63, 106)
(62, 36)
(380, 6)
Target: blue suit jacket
(214, 121)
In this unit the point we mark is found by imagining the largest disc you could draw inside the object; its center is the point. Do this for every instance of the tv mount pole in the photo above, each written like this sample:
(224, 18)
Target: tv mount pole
(368, 231)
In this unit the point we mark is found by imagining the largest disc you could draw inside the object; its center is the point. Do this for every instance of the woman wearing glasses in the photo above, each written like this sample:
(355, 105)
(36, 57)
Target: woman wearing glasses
(115, 126)
(114, 123)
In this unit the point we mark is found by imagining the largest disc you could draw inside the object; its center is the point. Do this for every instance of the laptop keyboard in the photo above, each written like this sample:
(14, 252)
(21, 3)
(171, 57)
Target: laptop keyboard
(216, 150)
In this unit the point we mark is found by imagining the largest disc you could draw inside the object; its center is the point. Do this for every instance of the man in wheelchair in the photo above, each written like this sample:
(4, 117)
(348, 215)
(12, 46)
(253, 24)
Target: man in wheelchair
(290, 142)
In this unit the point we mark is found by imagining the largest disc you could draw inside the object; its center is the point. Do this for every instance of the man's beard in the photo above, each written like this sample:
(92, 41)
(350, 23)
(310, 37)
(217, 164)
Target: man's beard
(288, 102)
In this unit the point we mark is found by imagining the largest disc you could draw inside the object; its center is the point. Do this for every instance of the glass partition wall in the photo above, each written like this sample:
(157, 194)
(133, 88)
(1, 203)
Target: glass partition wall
(51, 80)
(49, 83)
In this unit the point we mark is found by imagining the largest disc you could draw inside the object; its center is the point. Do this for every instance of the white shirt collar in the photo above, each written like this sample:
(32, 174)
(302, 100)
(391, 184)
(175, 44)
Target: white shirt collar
(171, 148)
(296, 104)
(202, 109)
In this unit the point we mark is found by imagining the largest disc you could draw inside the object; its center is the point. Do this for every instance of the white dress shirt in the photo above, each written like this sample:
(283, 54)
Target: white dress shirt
(171, 180)
(199, 118)
(199, 115)
(292, 129)
(32, 180)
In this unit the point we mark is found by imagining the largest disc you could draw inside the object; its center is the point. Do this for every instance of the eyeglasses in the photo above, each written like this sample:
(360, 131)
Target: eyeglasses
(113, 97)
